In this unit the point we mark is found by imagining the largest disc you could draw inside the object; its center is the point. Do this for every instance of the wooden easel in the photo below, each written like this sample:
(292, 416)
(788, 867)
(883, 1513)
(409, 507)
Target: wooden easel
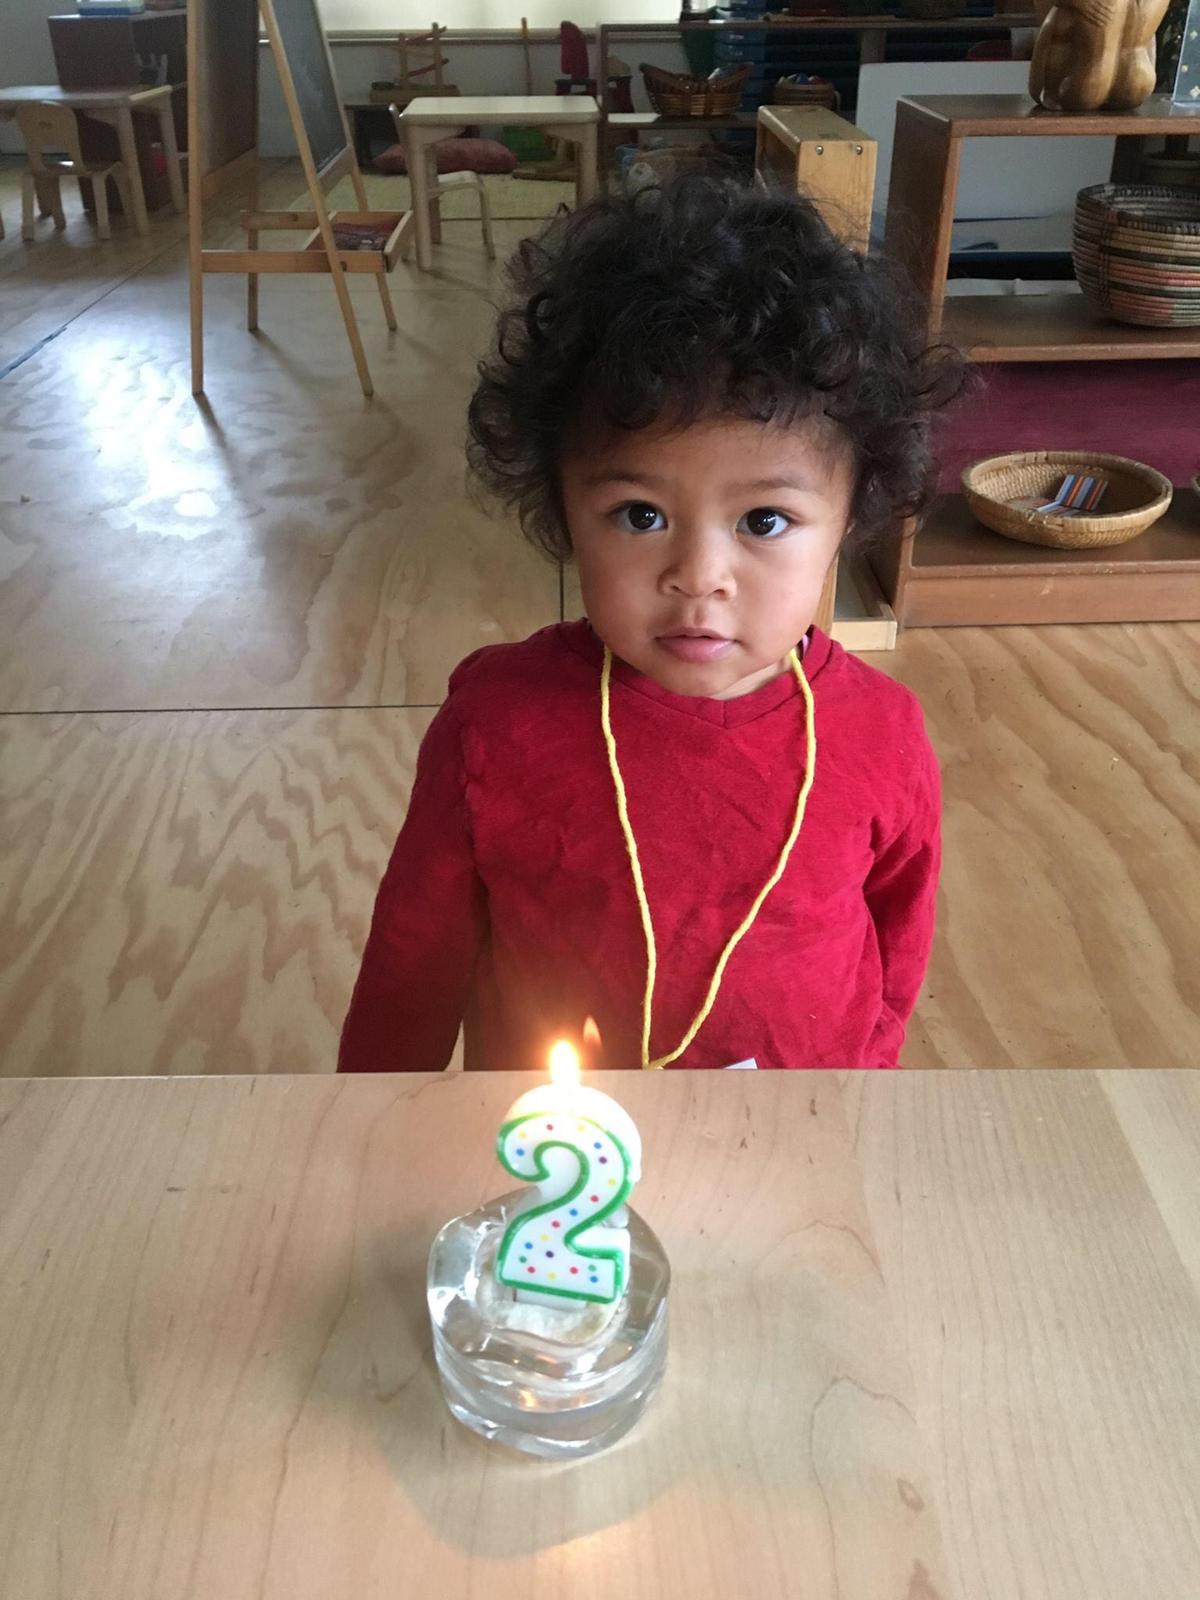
(222, 143)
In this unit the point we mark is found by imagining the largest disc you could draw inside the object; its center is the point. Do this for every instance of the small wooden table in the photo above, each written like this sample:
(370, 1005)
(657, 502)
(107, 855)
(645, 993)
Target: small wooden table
(573, 118)
(116, 107)
(932, 1335)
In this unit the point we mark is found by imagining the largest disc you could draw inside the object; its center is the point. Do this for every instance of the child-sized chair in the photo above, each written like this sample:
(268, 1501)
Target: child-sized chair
(46, 128)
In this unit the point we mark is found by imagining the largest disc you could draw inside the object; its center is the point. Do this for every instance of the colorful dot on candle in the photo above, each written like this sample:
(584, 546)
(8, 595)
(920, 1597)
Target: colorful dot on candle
(603, 1161)
(532, 1269)
(612, 1183)
(574, 1211)
(556, 1224)
(549, 1127)
(595, 1280)
(574, 1269)
(596, 1145)
(529, 1244)
(549, 1255)
(553, 1277)
(595, 1199)
(520, 1152)
(545, 1238)
(522, 1259)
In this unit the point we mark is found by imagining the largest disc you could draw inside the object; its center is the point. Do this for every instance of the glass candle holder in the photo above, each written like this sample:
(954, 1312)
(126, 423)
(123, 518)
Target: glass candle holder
(555, 1381)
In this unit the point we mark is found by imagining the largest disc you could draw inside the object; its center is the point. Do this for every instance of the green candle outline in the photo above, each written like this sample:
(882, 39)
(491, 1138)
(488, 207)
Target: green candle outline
(523, 1220)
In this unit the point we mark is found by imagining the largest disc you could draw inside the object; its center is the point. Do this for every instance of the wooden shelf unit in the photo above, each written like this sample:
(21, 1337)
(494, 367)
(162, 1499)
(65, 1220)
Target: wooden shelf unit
(962, 572)
(953, 570)
(108, 53)
(872, 33)
(1055, 327)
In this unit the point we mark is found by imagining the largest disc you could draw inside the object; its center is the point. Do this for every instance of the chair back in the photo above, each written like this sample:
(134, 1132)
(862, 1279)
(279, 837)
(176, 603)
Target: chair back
(46, 127)
(420, 55)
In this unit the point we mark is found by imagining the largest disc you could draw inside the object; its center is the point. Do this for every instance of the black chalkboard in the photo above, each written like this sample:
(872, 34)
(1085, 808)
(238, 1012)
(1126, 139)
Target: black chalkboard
(303, 42)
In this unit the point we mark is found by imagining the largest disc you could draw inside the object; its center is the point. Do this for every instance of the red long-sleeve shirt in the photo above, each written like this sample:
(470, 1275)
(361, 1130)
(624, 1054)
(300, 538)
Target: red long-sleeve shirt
(510, 879)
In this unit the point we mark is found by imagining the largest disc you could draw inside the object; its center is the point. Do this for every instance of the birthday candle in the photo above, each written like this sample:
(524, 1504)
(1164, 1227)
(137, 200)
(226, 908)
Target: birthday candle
(582, 1154)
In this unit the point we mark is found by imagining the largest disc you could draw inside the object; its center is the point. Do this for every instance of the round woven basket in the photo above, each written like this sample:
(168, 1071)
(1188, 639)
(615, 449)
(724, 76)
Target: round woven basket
(1137, 253)
(672, 94)
(787, 92)
(932, 10)
(1136, 497)
(1170, 172)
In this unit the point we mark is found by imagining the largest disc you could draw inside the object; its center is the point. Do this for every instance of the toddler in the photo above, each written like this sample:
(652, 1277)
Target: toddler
(691, 817)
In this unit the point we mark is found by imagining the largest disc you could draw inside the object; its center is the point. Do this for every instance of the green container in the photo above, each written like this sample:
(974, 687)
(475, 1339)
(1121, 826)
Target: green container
(527, 144)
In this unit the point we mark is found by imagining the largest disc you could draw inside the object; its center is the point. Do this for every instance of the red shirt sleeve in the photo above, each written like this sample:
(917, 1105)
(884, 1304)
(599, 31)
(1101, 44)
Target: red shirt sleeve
(901, 892)
(427, 928)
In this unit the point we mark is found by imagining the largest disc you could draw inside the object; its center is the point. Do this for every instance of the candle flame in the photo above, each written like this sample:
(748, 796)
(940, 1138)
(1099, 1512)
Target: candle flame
(591, 1035)
(564, 1065)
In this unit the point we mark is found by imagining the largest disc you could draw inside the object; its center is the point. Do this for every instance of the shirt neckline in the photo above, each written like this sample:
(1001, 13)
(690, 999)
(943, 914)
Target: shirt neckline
(580, 637)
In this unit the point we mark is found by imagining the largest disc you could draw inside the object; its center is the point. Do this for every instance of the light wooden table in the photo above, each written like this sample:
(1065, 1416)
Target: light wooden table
(116, 107)
(933, 1335)
(573, 118)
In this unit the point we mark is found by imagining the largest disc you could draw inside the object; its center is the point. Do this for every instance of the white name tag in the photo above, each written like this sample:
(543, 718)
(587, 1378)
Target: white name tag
(743, 1066)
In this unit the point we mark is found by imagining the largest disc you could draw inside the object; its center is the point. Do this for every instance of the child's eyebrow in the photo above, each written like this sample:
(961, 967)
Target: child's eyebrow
(597, 480)
(613, 475)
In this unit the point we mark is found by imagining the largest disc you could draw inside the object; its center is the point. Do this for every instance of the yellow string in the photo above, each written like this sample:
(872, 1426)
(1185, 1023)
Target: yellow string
(639, 886)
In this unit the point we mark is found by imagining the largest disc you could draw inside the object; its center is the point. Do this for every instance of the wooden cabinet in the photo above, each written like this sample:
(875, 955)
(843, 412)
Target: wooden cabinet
(121, 52)
(955, 570)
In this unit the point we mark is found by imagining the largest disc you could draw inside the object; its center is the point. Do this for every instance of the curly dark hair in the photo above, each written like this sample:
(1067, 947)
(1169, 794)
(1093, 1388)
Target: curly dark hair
(697, 300)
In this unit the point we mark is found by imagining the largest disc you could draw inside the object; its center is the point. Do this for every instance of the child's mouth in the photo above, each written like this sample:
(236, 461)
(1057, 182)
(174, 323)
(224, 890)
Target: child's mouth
(697, 647)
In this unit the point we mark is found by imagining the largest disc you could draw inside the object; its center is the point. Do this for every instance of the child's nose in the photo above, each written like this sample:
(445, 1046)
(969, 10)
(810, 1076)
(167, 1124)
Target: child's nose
(698, 564)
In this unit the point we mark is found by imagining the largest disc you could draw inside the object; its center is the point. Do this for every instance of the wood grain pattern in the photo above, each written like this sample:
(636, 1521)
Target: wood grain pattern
(1032, 1252)
(191, 892)
(1072, 804)
(218, 1375)
(291, 546)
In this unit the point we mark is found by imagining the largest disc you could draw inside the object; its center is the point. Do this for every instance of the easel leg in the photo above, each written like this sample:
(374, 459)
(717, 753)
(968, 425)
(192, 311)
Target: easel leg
(195, 204)
(252, 244)
(351, 321)
(385, 297)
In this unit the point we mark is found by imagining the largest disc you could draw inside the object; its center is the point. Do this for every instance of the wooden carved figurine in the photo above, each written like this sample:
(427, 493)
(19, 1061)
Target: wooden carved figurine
(1095, 55)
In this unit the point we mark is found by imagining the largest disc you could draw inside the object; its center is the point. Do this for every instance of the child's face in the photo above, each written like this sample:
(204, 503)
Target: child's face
(702, 553)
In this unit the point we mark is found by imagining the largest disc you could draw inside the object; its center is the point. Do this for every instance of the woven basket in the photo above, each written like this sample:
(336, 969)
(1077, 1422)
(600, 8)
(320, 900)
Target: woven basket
(672, 94)
(1136, 497)
(1170, 172)
(787, 92)
(1137, 253)
(932, 10)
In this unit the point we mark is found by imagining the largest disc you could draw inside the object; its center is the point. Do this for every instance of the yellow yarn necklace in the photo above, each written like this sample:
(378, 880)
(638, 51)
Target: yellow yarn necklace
(639, 887)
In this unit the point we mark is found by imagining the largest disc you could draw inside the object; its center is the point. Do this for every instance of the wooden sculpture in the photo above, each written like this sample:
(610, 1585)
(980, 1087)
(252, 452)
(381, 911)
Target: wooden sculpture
(1095, 55)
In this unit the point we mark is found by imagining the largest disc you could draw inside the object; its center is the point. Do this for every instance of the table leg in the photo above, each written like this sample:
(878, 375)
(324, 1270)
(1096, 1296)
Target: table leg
(129, 155)
(166, 125)
(872, 46)
(418, 177)
(435, 194)
(585, 180)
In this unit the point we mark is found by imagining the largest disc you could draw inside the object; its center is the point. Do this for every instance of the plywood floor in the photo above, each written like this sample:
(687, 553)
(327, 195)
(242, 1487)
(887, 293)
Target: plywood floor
(223, 629)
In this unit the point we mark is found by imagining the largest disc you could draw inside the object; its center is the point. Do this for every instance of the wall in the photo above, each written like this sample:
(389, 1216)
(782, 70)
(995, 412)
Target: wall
(489, 66)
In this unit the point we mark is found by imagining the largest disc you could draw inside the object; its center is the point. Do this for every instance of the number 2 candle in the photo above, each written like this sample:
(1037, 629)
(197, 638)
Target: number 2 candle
(582, 1154)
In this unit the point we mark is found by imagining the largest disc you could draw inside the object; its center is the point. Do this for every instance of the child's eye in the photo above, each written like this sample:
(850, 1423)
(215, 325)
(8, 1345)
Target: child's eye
(764, 523)
(639, 517)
